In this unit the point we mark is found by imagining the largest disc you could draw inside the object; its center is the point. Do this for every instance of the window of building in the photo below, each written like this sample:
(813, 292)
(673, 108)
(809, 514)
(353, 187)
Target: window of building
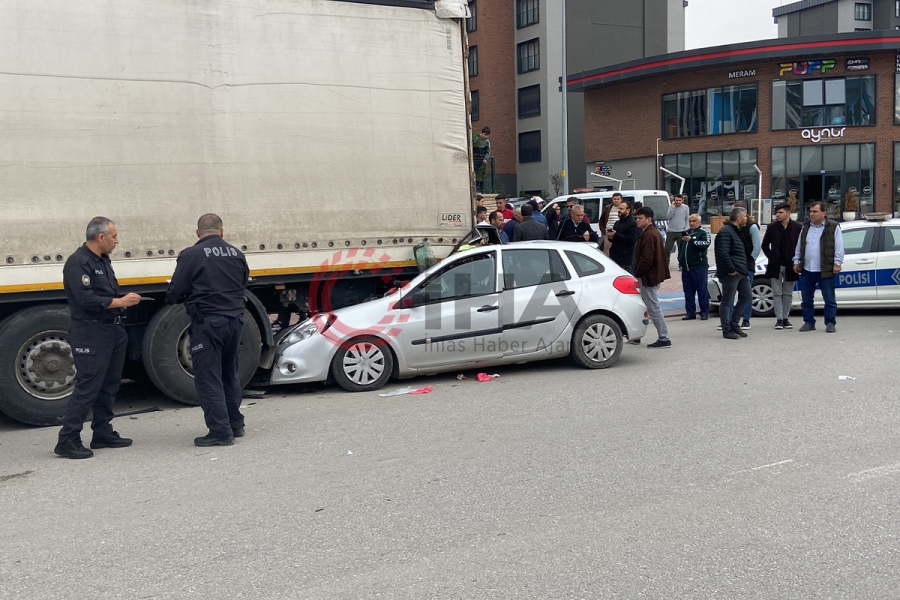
(713, 180)
(713, 111)
(526, 13)
(530, 147)
(529, 54)
(862, 11)
(897, 9)
(476, 105)
(825, 172)
(529, 101)
(897, 99)
(473, 61)
(823, 102)
(472, 21)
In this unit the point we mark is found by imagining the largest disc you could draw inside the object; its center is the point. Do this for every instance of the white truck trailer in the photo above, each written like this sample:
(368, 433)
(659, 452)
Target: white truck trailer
(331, 137)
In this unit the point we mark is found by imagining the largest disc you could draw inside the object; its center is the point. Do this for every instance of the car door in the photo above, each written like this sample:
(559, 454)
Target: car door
(455, 317)
(856, 281)
(538, 299)
(888, 278)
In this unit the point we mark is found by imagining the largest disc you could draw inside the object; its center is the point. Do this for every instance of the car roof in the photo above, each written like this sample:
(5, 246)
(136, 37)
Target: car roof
(865, 223)
(608, 194)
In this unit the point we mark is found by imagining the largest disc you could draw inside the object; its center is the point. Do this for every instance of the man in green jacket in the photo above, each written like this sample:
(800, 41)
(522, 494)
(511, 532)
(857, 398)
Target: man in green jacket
(692, 250)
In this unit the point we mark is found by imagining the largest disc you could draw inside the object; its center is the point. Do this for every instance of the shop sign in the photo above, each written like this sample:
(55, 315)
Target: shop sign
(823, 134)
(867, 191)
(898, 63)
(857, 64)
(806, 67)
(605, 170)
(777, 194)
(739, 74)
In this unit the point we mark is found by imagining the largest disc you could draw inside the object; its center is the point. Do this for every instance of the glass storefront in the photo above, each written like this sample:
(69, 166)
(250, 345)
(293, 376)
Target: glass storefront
(713, 180)
(827, 173)
(896, 203)
(714, 111)
(823, 102)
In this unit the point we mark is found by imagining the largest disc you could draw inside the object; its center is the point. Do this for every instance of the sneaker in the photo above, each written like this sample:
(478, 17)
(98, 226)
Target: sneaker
(738, 332)
(730, 335)
(719, 328)
(113, 440)
(745, 324)
(787, 324)
(72, 448)
(660, 344)
(830, 328)
(779, 324)
(807, 327)
(211, 440)
(636, 342)
(238, 431)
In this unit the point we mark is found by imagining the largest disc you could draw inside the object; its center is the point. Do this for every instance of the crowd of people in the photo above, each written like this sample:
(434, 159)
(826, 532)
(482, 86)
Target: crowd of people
(811, 252)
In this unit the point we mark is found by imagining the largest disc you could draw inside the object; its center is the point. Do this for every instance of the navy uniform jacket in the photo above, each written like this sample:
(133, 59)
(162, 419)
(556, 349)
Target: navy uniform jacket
(210, 276)
(91, 285)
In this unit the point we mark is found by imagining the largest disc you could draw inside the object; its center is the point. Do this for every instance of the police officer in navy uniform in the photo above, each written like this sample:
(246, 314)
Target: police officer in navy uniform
(210, 279)
(97, 338)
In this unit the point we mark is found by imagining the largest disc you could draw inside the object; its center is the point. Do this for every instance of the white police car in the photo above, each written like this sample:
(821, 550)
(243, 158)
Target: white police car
(870, 275)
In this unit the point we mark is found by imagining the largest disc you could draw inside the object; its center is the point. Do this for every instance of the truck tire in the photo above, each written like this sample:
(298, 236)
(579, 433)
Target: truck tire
(37, 372)
(167, 356)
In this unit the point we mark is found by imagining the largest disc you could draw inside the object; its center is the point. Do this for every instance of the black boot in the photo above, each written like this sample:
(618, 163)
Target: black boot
(72, 448)
(211, 440)
(112, 440)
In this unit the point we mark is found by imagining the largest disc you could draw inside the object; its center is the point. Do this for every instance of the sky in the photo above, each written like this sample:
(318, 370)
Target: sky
(720, 22)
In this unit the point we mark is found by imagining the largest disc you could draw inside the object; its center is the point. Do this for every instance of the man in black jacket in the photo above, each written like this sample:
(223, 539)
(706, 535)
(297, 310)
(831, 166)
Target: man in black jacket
(529, 229)
(623, 236)
(732, 266)
(778, 245)
(576, 228)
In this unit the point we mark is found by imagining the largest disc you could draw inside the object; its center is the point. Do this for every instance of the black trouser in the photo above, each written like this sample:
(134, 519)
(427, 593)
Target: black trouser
(730, 284)
(99, 353)
(215, 348)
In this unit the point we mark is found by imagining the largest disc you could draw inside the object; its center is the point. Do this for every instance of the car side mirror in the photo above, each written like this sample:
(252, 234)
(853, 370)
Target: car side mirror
(416, 299)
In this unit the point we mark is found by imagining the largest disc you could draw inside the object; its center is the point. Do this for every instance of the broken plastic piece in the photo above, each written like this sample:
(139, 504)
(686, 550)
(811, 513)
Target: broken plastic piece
(399, 392)
(486, 377)
(425, 390)
(461, 377)
(846, 377)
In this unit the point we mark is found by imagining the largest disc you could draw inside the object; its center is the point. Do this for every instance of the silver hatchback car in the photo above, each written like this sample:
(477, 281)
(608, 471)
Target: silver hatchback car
(481, 307)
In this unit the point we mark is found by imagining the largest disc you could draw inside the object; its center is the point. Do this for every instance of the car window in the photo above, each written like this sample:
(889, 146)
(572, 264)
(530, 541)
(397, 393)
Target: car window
(523, 268)
(472, 276)
(857, 241)
(659, 204)
(891, 240)
(591, 208)
(584, 265)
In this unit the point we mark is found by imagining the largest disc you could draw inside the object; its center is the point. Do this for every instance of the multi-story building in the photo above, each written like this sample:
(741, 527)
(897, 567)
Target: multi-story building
(518, 67)
(819, 17)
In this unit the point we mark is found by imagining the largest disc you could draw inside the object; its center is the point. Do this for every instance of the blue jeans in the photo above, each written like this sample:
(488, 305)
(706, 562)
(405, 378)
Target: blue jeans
(808, 282)
(695, 283)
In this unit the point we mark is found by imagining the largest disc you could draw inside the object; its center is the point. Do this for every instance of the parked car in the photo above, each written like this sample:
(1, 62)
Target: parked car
(870, 275)
(484, 306)
(595, 202)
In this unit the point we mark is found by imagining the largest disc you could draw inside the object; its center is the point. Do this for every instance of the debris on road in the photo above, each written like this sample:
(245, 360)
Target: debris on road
(486, 377)
(846, 377)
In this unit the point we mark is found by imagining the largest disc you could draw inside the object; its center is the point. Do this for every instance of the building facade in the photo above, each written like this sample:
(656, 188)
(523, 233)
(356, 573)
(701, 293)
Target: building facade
(822, 17)
(811, 119)
(516, 89)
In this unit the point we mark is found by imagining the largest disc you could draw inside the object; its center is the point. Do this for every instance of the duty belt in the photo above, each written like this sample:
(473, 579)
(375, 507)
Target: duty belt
(115, 320)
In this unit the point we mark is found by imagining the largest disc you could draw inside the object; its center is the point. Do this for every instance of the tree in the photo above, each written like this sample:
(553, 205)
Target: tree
(556, 180)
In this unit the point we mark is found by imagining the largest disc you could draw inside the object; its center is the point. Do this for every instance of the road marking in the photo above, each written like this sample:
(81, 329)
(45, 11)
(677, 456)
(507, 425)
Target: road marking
(876, 472)
(774, 464)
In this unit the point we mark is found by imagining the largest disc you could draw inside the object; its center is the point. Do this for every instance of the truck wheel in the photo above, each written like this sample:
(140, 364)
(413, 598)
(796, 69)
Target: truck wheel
(37, 372)
(597, 342)
(167, 353)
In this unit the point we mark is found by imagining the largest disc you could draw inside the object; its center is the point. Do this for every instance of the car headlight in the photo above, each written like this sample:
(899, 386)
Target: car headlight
(302, 332)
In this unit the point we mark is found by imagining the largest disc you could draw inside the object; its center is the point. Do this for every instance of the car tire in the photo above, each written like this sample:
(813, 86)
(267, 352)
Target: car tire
(597, 342)
(362, 364)
(763, 298)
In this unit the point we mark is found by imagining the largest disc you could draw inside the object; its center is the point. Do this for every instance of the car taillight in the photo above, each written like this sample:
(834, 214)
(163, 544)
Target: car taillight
(627, 284)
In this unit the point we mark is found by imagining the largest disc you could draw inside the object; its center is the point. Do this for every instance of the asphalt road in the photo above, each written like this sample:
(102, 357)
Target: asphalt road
(717, 469)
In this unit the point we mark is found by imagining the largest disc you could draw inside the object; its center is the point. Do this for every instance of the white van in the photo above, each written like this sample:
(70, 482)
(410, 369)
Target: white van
(595, 202)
